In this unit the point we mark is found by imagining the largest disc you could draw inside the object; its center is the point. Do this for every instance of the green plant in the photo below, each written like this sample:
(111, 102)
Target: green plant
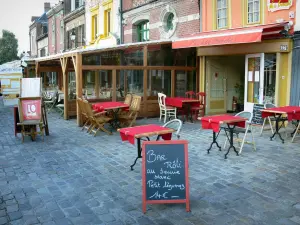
(239, 89)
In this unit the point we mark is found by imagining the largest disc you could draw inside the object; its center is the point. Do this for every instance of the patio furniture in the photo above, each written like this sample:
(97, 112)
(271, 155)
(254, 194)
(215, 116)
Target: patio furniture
(292, 112)
(184, 105)
(199, 109)
(145, 131)
(128, 99)
(297, 130)
(165, 110)
(176, 125)
(52, 100)
(129, 118)
(98, 120)
(61, 108)
(30, 116)
(112, 109)
(270, 119)
(190, 94)
(239, 130)
(214, 122)
(88, 123)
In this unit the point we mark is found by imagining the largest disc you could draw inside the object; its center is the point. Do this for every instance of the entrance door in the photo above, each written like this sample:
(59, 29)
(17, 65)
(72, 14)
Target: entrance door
(217, 88)
(254, 80)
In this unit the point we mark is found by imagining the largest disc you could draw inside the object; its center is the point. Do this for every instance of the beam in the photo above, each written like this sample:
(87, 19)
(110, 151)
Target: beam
(79, 86)
(94, 67)
(114, 85)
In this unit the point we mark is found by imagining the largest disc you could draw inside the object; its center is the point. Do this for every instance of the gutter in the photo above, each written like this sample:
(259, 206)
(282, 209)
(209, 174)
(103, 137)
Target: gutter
(121, 22)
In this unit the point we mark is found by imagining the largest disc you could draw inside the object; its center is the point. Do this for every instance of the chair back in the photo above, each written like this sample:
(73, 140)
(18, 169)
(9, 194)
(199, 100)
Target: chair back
(135, 103)
(189, 94)
(201, 96)
(161, 100)
(174, 124)
(269, 105)
(87, 108)
(245, 114)
(81, 106)
(128, 99)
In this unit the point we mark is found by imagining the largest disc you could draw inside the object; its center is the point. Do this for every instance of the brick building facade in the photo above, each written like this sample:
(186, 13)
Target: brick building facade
(167, 19)
(56, 29)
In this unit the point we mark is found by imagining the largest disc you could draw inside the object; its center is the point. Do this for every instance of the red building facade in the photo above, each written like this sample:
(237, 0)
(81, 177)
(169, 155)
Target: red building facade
(146, 20)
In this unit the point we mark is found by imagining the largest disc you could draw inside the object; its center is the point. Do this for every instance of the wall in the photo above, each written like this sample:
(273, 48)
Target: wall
(58, 46)
(186, 19)
(237, 14)
(43, 43)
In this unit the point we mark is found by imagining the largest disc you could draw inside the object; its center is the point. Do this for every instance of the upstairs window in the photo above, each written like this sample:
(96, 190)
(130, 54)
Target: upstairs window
(253, 11)
(94, 27)
(143, 31)
(222, 14)
(107, 22)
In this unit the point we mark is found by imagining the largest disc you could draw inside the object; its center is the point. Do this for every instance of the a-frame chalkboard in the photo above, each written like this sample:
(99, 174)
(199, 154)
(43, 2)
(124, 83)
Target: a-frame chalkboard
(165, 176)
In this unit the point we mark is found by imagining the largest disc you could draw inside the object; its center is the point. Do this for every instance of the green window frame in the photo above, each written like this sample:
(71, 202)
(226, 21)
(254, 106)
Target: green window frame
(143, 31)
(170, 20)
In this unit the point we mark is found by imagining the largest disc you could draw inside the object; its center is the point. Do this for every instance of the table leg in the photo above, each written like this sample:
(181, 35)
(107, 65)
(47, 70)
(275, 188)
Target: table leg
(139, 151)
(115, 123)
(230, 139)
(277, 128)
(214, 141)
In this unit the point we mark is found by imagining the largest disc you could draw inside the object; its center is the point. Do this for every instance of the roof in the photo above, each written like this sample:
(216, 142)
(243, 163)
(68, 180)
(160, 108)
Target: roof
(42, 19)
(11, 67)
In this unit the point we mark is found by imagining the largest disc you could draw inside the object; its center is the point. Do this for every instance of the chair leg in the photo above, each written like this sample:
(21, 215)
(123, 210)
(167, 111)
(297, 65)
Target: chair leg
(262, 128)
(271, 125)
(253, 142)
(244, 138)
(225, 142)
(105, 130)
(296, 131)
(166, 114)
(160, 114)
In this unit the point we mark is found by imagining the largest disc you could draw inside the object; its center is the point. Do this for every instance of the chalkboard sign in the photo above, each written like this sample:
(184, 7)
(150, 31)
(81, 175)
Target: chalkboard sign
(165, 172)
(257, 118)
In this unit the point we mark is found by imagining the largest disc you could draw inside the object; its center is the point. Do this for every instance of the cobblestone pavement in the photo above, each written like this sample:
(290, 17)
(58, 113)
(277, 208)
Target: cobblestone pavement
(75, 178)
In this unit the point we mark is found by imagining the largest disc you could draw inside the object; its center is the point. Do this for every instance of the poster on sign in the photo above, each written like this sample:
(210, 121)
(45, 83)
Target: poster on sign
(30, 87)
(31, 109)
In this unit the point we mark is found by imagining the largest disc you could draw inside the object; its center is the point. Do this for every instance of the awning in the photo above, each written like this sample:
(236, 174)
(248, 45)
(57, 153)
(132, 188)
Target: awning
(231, 36)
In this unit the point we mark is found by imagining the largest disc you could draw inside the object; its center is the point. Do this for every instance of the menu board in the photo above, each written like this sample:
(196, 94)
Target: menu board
(257, 118)
(165, 172)
(30, 87)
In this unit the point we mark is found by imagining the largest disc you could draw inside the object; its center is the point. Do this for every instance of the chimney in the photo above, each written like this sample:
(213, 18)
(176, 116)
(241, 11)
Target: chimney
(47, 6)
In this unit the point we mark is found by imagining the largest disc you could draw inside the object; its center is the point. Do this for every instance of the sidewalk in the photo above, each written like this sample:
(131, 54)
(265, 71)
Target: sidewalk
(75, 178)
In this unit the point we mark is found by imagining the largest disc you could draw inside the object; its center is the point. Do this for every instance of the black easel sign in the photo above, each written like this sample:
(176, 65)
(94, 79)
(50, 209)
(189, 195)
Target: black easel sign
(165, 176)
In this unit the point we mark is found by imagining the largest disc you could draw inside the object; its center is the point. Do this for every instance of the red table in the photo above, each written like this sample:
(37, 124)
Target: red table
(180, 102)
(114, 107)
(145, 131)
(214, 122)
(292, 112)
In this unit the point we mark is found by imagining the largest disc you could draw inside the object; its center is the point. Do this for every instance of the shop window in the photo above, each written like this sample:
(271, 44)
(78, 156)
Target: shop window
(222, 14)
(133, 57)
(269, 78)
(143, 31)
(253, 80)
(158, 81)
(253, 11)
(185, 81)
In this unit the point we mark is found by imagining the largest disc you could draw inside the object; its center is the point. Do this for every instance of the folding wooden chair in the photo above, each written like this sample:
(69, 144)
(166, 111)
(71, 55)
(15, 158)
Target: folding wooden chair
(98, 120)
(129, 118)
(87, 121)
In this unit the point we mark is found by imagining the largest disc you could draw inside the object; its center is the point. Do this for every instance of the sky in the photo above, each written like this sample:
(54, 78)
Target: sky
(15, 16)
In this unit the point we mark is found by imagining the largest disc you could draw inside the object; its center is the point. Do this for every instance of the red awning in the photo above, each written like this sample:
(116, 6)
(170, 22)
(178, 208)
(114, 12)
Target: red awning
(232, 36)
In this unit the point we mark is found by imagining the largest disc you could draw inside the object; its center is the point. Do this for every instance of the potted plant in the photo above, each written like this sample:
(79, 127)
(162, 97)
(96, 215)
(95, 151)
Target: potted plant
(239, 89)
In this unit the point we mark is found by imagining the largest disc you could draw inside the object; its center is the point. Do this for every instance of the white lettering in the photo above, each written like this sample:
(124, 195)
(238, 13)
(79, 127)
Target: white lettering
(153, 184)
(173, 165)
(157, 195)
(152, 157)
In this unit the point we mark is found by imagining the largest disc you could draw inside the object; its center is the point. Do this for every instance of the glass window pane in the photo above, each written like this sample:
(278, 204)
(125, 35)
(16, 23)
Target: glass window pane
(134, 82)
(253, 80)
(250, 18)
(184, 81)
(72, 86)
(256, 17)
(269, 78)
(158, 81)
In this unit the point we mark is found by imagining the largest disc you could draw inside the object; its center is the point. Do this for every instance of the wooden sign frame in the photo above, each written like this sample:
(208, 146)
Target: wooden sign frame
(186, 169)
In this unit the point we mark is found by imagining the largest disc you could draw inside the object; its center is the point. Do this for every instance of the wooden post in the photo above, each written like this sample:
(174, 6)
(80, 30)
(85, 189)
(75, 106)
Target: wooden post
(64, 62)
(79, 85)
(114, 85)
(97, 88)
(37, 69)
(145, 63)
(173, 78)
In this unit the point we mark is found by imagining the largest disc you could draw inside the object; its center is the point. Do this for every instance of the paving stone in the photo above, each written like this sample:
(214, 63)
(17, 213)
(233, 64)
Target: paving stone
(8, 197)
(2, 212)
(3, 220)
(12, 208)
(72, 212)
(57, 214)
(15, 215)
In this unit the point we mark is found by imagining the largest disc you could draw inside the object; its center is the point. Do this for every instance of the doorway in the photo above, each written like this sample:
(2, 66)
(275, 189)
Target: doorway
(223, 75)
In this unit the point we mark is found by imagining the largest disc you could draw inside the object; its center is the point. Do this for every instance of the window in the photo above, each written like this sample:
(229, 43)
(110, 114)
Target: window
(158, 81)
(222, 14)
(43, 52)
(253, 11)
(143, 31)
(53, 31)
(170, 22)
(107, 22)
(94, 27)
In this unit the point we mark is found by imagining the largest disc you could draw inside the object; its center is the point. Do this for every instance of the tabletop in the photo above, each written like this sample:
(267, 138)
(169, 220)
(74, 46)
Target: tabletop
(130, 133)
(101, 106)
(178, 101)
(213, 122)
(291, 111)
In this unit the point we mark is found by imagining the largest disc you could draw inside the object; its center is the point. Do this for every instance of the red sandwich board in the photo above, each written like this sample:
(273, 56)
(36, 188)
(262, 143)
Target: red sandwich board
(165, 175)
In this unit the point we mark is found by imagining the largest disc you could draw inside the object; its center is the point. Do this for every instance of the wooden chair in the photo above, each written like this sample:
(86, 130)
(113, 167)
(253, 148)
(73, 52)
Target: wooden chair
(98, 120)
(87, 121)
(128, 99)
(196, 110)
(129, 118)
(29, 125)
(167, 111)
(190, 94)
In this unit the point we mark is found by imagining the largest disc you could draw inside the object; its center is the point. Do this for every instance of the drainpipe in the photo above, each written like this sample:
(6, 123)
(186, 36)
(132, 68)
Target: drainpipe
(121, 21)
(200, 14)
